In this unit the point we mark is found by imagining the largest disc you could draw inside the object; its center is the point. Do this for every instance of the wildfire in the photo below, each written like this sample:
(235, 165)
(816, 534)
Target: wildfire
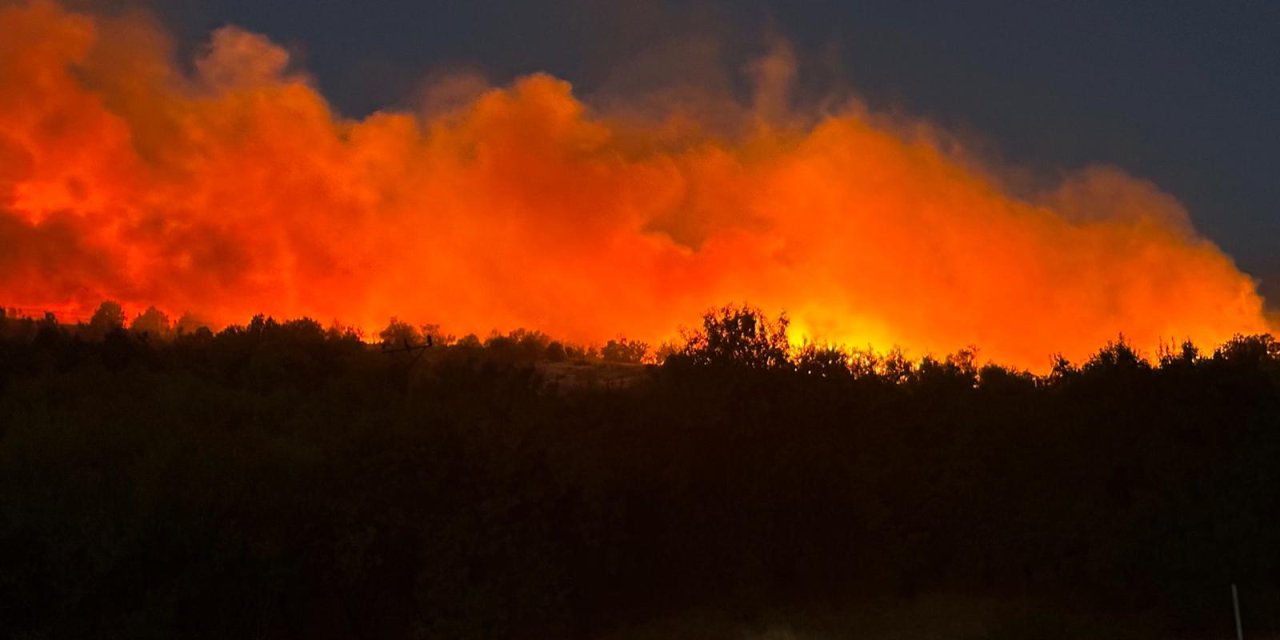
(235, 189)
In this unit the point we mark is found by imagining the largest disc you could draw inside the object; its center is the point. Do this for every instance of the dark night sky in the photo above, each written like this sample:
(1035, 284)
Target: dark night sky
(1186, 94)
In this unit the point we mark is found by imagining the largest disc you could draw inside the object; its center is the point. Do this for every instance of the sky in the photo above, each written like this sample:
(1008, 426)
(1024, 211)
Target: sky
(1182, 93)
(1015, 177)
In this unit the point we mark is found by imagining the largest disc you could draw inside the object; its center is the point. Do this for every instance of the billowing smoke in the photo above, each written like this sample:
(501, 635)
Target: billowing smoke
(234, 188)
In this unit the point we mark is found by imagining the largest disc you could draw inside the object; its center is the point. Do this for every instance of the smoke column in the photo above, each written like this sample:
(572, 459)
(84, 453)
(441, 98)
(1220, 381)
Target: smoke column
(233, 189)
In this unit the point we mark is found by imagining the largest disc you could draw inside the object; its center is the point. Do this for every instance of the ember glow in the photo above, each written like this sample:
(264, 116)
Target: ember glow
(230, 187)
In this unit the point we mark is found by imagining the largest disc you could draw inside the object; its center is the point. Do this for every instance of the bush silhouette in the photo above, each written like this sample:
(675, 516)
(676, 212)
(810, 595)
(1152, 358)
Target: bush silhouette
(739, 336)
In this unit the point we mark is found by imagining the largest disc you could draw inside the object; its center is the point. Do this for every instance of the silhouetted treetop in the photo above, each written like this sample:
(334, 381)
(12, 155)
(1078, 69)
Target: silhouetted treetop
(400, 334)
(108, 317)
(1116, 355)
(823, 361)
(153, 323)
(1252, 350)
(625, 351)
(739, 336)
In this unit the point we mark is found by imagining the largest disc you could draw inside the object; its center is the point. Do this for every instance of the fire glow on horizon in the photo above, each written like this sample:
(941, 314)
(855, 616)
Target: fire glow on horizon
(235, 189)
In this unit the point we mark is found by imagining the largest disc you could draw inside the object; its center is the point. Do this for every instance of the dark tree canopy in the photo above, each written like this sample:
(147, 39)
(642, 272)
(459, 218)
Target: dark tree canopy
(152, 322)
(281, 479)
(108, 317)
(739, 336)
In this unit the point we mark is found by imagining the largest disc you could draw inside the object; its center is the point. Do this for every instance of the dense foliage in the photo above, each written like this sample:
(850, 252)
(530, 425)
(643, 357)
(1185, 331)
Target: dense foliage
(284, 480)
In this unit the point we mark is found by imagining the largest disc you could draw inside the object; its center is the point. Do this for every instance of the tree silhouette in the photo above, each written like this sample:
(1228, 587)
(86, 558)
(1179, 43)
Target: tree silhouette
(827, 361)
(153, 323)
(400, 334)
(739, 336)
(622, 350)
(108, 317)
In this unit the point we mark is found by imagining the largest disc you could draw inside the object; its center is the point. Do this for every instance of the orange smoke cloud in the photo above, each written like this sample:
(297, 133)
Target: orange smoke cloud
(235, 189)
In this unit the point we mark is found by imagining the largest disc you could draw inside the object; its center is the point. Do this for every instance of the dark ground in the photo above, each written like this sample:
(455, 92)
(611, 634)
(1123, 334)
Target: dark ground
(283, 481)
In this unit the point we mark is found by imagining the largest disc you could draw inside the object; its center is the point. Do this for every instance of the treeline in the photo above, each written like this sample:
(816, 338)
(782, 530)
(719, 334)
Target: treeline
(154, 325)
(287, 480)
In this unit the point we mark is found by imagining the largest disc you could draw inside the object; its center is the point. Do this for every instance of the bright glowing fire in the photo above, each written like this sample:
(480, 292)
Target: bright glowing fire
(235, 189)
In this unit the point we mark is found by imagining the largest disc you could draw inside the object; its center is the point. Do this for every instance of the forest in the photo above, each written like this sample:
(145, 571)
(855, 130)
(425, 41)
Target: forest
(283, 479)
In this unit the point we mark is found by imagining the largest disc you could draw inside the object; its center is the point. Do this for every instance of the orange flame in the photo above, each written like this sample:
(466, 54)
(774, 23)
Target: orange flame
(235, 189)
